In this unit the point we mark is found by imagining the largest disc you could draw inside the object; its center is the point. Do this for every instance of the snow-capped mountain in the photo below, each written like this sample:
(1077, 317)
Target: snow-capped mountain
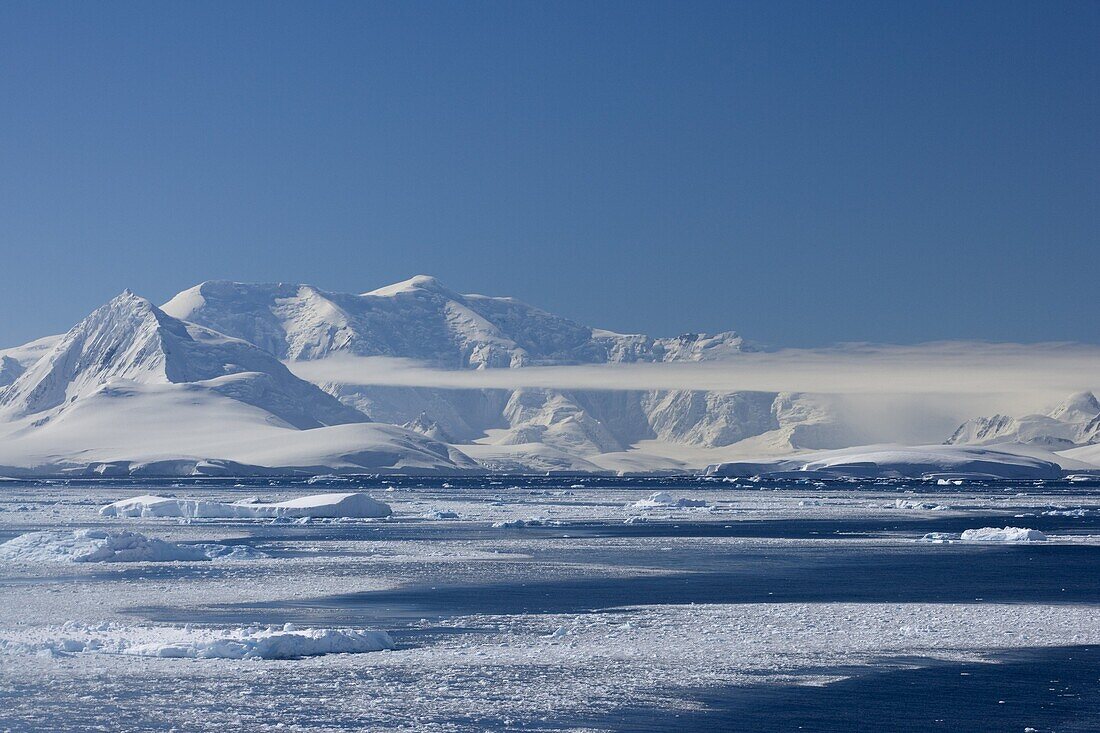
(1077, 409)
(206, 383)
(131, 340)
(130, 385)
(1074, 422)
(422, 319)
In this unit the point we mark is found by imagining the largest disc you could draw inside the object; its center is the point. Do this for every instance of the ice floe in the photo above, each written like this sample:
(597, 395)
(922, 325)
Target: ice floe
(518, 523)
(351, 506)
(97, 545)
(263, 642)
(926, 506)
(988, 534)
(1066, 513)
(1004, 534)
(664, 500)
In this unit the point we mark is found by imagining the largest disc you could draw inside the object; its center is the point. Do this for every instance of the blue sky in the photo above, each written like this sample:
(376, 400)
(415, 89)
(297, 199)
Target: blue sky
(805, 173)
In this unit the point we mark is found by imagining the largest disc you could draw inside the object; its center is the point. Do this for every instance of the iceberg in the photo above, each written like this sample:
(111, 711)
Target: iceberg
(1005, 534)
(664, 500)
(330, 506)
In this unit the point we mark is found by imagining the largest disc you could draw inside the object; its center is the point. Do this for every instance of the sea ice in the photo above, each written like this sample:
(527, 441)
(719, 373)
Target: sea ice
(265, 642)
(658, 499)
(271, 644)
(907, 504)
(518, 523)
(1006, 534)
(96, 545)
(351, 506)
(1066, 513)
(664, 500)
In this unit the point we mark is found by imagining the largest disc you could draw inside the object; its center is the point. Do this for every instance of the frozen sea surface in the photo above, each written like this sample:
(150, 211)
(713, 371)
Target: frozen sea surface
(773, 607)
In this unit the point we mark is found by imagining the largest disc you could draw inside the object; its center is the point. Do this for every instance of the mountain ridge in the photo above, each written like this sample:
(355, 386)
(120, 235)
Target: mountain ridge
(202, 383)
(1072, 423)
(423, 319)
(130, 385)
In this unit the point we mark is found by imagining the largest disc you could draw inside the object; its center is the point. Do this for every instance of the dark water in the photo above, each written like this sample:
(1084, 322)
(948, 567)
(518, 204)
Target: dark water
(1048, 690)
(884, 574)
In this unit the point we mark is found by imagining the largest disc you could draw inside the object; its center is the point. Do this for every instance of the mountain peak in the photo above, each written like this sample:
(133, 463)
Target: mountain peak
(129, 340)
(127, 298)
(1078, 407)
(122, 339)
(416, 282)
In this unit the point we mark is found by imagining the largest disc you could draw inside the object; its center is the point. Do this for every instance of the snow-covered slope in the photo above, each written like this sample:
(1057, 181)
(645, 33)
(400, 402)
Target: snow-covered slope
(31, 352)
(1076, 421)
(226, 339)
(132, 388)
(1089, 454)
(129, 340)
(421, 319)
(13, 362)
(10, 370)
(203, 384)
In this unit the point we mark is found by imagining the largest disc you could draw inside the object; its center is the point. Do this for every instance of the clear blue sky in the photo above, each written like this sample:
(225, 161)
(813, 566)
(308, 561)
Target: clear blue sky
(804, 173)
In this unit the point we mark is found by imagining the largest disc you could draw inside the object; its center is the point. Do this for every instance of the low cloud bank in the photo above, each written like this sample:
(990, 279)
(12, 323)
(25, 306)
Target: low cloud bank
(1033, 373)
